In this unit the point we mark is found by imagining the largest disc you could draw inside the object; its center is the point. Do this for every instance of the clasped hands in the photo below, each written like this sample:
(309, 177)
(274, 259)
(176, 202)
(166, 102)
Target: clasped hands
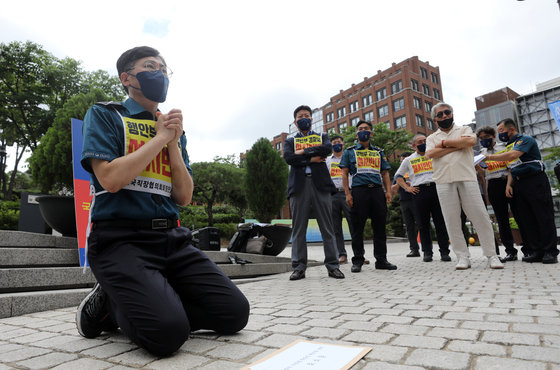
(170, 125)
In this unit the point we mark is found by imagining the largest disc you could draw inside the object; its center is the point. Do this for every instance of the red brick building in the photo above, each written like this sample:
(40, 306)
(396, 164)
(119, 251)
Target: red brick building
(277, 142)
(400, 96)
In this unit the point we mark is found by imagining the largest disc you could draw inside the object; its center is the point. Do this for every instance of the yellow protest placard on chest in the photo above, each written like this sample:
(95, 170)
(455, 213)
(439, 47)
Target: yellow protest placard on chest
(336, 171)
(307, 141)
(367, 161)
(421, 165)
(156, 177)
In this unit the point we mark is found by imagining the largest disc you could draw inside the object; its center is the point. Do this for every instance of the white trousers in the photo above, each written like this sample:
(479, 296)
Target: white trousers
(465, 195)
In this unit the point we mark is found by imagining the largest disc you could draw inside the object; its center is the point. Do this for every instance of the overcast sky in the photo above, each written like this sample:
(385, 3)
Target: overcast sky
(241, 67)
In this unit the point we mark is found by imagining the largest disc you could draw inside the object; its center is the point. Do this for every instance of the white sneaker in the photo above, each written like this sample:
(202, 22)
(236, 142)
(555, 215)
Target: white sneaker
(495, 263)
(463, 263)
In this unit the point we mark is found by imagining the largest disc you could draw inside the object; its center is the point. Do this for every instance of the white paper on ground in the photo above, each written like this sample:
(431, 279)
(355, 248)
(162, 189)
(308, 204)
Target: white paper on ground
(302, 354)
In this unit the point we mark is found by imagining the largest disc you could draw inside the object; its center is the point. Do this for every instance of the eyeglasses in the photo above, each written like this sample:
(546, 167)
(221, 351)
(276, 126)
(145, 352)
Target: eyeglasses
(447, 112)
(153, 66)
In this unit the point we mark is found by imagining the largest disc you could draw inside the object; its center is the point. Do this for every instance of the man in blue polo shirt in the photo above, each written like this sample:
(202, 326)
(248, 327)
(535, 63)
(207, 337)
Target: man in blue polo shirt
(530, 189)
(369, 169)
(152, 282)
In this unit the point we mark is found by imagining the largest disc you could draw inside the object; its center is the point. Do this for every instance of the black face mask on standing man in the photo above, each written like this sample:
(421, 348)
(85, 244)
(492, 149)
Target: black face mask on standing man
(446, 123)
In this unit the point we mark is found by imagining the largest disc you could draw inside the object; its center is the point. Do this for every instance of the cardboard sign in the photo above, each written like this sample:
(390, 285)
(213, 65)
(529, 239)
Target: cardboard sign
(303, 354)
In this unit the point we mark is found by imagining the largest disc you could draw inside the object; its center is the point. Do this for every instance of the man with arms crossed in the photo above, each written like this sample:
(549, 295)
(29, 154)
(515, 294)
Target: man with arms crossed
(450, 149)
(310, 185)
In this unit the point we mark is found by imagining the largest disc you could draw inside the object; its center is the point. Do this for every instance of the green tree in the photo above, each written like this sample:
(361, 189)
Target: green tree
(266, 180)
(33, 86)
(50, 163)
(552, 156)
(217, 182)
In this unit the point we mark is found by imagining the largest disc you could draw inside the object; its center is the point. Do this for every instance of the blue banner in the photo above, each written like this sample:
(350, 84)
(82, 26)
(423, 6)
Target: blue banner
(555, 110)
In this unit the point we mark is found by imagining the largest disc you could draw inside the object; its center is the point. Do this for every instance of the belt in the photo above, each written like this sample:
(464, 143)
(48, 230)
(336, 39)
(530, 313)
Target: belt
(367, 186)
(428, 184)
(340, 190)
(308, 175)
(503, 178)
(527, 175)
(154, 224)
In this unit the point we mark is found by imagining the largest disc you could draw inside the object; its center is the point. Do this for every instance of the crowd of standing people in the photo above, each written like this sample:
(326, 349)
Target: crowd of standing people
(439, 181)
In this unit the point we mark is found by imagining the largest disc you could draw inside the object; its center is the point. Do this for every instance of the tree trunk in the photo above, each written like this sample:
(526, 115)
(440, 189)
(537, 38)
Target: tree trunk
(19, 155)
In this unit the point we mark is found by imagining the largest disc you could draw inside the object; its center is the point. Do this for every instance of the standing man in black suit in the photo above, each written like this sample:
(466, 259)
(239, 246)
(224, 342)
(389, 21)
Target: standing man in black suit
(310, 185)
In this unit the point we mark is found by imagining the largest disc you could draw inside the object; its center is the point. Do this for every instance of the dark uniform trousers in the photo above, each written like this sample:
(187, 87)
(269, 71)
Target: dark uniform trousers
(161, 287)
(407, 211)
(533, 203)
(500, 203)
(340, 207)
(369, 202)
(426, 204)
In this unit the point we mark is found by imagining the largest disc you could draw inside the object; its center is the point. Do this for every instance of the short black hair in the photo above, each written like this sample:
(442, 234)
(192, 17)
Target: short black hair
(337, 137)
(302, 107)
(366, 122)
(487, 130)
(128, 58)
(508, 122)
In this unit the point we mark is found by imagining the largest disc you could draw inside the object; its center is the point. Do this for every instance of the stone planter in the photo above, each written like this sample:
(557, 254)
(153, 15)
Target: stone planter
(58, 212)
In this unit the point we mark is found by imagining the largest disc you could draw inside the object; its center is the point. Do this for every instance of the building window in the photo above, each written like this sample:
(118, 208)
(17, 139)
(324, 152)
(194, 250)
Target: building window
(428, 106)
(381, 94)
(419, 121)
(398, 104)
(341, 112)
(342, 126)
(354, 121)
(383, 111)
(396, 87)
(367, 100)
(354, 106)
(434, 78)
(279, 146)
(330, 117)
(417, 102)
(368, 116)
(426, 89)
(430, 124)
(424, 73)
(414, 85)
(436, 94)
(400, 122)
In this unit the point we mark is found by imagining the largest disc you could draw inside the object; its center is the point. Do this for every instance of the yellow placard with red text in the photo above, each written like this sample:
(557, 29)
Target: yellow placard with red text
(308, 141)
(156, 177)
(368, 161)
(421, 165)
(336, 171)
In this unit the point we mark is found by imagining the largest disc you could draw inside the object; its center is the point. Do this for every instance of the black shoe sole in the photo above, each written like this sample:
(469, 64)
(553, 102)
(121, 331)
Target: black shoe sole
(79, 315)
(297, 278)
(386, 267)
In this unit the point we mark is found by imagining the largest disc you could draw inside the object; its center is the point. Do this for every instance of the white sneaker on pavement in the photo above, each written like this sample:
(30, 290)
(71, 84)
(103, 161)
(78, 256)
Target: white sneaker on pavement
(495, 263)
(463, 263)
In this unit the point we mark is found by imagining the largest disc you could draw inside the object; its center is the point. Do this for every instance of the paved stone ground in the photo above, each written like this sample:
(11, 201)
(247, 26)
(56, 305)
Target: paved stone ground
(423, 315)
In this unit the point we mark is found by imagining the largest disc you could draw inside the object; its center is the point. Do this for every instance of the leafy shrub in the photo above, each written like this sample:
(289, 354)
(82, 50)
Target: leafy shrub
(226, 230)
(9, 215)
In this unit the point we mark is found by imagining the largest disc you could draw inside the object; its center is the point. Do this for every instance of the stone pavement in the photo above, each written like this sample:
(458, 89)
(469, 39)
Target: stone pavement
(423, 315)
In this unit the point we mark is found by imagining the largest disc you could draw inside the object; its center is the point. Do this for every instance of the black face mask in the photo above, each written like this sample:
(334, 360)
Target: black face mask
(446, 123)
